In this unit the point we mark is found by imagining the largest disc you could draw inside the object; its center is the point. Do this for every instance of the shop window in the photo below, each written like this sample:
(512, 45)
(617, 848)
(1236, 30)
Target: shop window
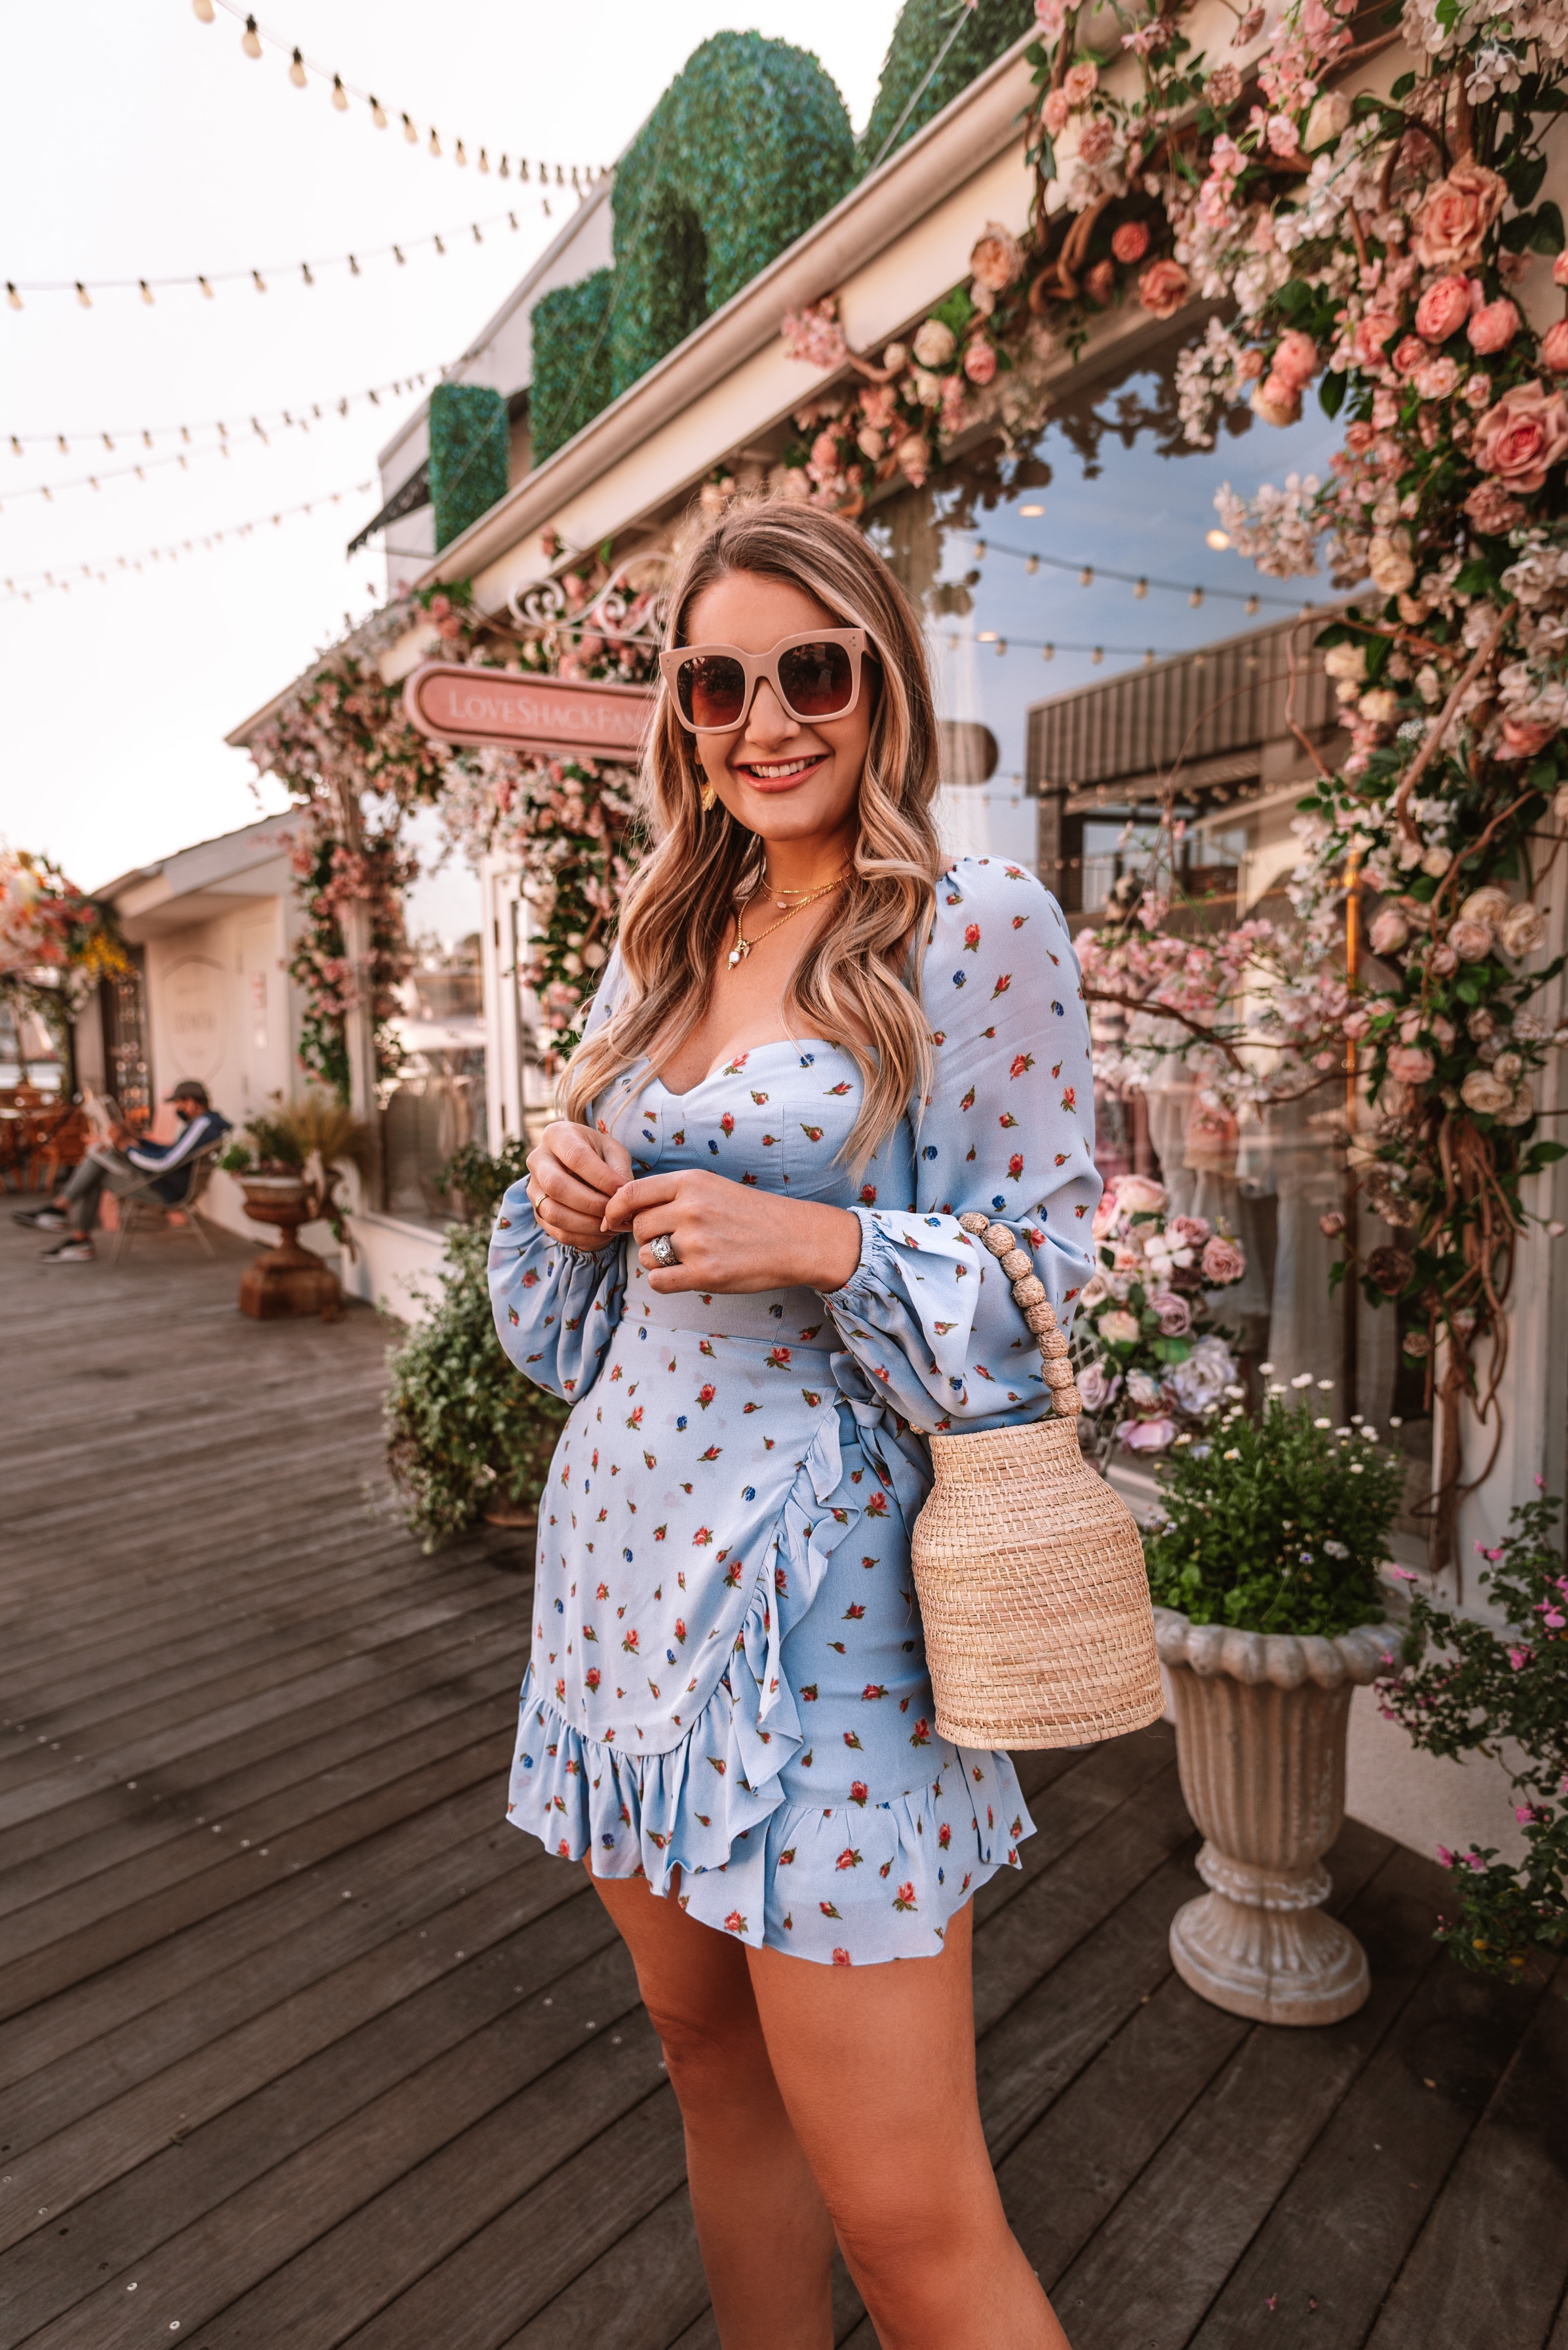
(436, 1104)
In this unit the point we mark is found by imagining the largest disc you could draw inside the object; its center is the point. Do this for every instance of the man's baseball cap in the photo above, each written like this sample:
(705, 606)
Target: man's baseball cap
(190, 1089)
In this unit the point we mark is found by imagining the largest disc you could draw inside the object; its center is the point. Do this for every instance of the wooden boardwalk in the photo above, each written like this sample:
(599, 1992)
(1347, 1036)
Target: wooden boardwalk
(299, 2043)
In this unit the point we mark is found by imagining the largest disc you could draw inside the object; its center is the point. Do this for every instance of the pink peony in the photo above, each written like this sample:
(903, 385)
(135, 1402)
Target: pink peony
(1174, 1314)
(1451, 228)
(1295, 358)
(1443, 309)
(1411, 1064)
(1163, 288)
(1147, 1435)
(1555, 348)
(979, 360)
(1410, 353)
(1522, 436)
(1223, 1262)
(1141, 1195)
(1130, 242)
(1371, 333)
(1493, 327)
(1493, 510)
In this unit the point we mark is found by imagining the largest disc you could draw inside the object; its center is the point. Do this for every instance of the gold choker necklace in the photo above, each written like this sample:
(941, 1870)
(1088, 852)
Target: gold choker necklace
(743, 945)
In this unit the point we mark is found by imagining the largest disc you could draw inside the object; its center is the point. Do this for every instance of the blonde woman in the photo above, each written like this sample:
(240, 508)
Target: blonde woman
(816, 1046)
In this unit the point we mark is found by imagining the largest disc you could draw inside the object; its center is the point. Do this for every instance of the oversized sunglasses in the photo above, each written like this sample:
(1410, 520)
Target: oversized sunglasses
(815, 675)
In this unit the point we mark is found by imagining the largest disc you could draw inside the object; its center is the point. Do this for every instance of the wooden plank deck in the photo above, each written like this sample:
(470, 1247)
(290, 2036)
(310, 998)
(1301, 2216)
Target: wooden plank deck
(300, 2043)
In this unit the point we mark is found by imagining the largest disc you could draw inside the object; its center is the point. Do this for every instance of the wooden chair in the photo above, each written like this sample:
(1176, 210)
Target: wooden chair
(143, 1211)
(60, 1139)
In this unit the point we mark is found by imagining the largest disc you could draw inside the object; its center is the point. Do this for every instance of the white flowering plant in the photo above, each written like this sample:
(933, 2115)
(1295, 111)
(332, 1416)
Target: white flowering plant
(1277, 1523)
(1150, 1358)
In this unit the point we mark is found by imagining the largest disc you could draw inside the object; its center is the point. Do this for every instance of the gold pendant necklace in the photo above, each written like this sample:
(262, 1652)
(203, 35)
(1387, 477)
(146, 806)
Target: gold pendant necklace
(743, 945)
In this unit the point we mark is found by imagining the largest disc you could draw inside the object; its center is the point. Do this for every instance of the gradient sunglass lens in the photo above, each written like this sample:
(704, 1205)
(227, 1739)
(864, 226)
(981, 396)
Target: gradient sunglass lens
(817, 679)
(712, 690)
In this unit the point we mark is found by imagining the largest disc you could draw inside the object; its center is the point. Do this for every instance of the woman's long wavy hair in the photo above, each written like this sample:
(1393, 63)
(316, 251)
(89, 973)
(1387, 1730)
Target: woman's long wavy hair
(858, 984)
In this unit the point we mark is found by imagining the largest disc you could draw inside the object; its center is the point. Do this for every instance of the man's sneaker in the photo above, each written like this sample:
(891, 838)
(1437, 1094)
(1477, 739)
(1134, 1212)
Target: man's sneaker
(74, 1251)
(40, 1220)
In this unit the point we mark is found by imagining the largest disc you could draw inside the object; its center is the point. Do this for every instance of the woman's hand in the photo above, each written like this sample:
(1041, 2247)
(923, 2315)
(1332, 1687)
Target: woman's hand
(733, 1238)
(572, 1172)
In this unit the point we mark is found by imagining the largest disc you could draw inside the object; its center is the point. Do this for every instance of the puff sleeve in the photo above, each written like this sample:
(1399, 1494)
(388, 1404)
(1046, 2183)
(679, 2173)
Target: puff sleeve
(555, 1306)
(1007, 1130)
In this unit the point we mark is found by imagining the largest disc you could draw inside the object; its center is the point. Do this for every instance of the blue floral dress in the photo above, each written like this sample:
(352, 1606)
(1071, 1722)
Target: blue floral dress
(728, 1674)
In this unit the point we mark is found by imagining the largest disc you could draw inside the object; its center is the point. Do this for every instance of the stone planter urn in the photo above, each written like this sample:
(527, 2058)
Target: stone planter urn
(1260, 1722)
(287, 1278)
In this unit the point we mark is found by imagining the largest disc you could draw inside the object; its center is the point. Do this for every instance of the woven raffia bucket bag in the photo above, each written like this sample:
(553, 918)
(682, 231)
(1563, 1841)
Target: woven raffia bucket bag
(1039, 1628)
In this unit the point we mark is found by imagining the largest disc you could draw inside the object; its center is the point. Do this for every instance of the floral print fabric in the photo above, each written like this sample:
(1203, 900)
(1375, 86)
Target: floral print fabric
(728, 1676)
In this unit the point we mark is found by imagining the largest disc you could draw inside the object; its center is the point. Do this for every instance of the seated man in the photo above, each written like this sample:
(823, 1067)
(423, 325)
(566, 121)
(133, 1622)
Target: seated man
(126, 1163)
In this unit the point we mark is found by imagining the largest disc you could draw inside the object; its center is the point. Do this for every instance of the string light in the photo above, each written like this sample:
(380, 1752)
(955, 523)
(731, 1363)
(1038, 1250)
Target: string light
(301, 68)
(1141, 583)
(145, 287)
(283, 418)
(1049, 651)
(22, 590)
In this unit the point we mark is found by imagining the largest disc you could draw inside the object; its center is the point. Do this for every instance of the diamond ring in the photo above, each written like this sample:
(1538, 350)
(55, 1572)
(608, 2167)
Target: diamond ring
(662, 1250)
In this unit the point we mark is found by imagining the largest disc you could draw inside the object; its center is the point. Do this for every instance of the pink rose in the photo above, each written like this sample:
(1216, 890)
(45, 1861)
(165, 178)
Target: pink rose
(1522, 737)
(1524, 436)
(1101, 281)
(1080, 82)
(1443, 309)
(1098, 1386)
(1371, 333)
(1223, 1262)
(1451, 228)
(1560, 270)
(1410, 354)
(1174, 1314)
(979, 360)
(1555, 348)
(1147, 1435)
(1388, 932)
(1119, 1329)
(1055, 113)
(1162, 289)
(1098, 141)
(997, 259)
(1493, 327)
(1437, 380)
(914, 456)
(1331, 1225)
(1130, 242)
(1411, 1064)
(1276, 402)
(1356, 1023)
(1141, 1195)
(1295, 358)
(1470, 941)
(1051, 15)
(1491, 509)
(1188, 1232)
(1105, 1214)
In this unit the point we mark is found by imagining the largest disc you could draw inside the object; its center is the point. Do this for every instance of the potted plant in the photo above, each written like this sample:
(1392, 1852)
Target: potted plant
(1263, 1558)
(468, 1437)
(1150, 1358)
(288, 1163)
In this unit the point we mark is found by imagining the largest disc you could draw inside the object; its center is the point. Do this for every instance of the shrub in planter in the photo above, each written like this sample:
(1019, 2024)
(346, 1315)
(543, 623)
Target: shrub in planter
(1263, 1563)
(1470, 1687)
(464, 1430)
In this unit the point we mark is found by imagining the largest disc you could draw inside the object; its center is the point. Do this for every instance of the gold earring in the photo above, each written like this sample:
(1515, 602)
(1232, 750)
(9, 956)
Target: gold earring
(706, 797)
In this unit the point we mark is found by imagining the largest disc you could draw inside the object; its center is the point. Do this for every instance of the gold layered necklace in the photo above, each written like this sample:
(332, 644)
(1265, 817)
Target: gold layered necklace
(743, 945)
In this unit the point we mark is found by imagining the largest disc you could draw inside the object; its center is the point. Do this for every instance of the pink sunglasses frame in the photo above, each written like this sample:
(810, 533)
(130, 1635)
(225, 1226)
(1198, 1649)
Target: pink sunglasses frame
(758, 666)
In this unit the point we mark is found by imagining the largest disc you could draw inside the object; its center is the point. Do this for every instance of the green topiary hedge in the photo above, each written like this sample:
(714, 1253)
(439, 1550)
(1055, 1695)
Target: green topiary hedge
(748, 146)
(571, 361)
(918, 37)
(470, 452)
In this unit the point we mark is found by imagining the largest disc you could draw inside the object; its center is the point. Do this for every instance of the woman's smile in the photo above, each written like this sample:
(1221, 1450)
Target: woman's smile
(777, 775)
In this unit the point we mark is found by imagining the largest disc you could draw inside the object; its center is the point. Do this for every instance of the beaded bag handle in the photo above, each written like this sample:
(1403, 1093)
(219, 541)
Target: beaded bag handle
(1029, 1292)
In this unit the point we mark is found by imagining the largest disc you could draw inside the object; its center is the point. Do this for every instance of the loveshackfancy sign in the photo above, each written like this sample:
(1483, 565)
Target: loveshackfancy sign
(454, 703)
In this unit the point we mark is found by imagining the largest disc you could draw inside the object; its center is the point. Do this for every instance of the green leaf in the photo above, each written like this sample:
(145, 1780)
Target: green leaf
(1475, 579)
(1548, 235)
(1331, 394)
(1402, 87)
(1523, 173)
(1544, 1154)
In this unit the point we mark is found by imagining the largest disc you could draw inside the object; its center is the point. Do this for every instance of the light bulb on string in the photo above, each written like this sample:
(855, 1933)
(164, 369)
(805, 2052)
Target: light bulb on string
(1047, 652)
(477, 238)
(458, 156)
(1252, 606)
(206, 290)
(1140, 589)
(439, 245)
(354, 269)
(409, 133)
(12, 296)
(1030, 565)
(435, 142)
(377, 113)
(83, 296)
(1086, 577)
(505, 168)
(1149, 656)
(339, 95)
(202, 11)
(297, 70)
(250, 39)
(305, 271)
(259, 280)
(146, 291)
(484, 162)
(1097, 656)
(400, 257)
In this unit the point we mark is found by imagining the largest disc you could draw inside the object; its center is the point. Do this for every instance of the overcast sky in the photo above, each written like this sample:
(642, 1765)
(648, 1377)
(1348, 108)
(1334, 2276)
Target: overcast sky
(142, 143)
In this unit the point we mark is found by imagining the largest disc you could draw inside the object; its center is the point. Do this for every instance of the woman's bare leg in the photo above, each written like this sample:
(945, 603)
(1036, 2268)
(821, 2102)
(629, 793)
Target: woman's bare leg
(764, 2229)
(877, 2069)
